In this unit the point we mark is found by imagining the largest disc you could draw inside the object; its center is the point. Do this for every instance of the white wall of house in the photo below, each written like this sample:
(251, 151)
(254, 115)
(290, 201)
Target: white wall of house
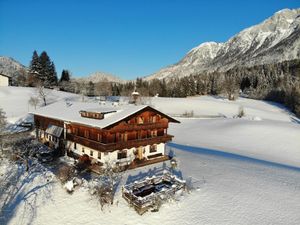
(4, 80)
(52, 139)
(48, 137)
(113, 156)
(160, 148)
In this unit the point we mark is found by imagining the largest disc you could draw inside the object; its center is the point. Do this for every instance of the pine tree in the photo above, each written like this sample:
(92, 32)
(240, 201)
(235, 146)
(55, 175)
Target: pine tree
(91, 89)
(52, 75)
(35, 66)
(65, 76)
(47, 74)
(45, 68)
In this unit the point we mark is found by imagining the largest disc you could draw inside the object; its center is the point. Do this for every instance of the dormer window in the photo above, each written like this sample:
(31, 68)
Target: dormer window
(140, 120)
(94, 115)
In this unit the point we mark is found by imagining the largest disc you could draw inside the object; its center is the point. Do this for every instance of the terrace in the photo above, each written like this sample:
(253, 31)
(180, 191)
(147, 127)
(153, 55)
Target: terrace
(144, 195)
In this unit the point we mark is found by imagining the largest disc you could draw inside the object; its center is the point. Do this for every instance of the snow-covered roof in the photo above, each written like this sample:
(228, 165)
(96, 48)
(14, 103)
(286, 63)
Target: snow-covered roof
(5, 75)
(54, 130)
(135, 93)
(69, 111)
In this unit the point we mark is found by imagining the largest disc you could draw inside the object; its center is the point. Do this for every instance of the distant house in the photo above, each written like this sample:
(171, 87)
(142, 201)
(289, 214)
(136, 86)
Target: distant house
(132, 135)
(4, 80)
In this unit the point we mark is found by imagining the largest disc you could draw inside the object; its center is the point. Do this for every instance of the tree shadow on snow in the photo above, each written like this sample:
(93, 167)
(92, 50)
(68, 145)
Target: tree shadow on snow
(284, 109)
(16, 195)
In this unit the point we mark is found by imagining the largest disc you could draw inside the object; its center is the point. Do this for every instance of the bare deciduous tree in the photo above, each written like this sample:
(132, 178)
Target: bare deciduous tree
(34, 101)
(42, 93)
(3, 123)
(103, 88)
(108, 181)
(230, 86)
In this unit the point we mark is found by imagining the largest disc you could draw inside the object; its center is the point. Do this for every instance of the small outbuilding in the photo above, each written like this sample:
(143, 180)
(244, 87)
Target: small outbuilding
(4, 80)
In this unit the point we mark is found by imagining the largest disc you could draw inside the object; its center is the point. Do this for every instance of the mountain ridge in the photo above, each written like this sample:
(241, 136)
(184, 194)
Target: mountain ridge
(101, 77)
(275, 39)
(9, 66)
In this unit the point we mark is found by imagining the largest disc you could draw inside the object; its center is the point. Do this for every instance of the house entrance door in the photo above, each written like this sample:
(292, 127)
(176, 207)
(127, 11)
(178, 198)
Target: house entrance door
(140, 153)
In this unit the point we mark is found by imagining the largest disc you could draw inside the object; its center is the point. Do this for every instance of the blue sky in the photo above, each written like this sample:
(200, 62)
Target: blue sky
(127, 38)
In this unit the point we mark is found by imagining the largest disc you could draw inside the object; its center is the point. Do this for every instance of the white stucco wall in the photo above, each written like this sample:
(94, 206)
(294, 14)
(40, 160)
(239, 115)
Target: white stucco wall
(49, 138)
(4, 81)
(113, 156)
(160, 149)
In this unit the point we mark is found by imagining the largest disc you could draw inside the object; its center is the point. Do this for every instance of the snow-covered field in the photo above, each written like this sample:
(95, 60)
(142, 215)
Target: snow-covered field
(14, 100)
(245, 171)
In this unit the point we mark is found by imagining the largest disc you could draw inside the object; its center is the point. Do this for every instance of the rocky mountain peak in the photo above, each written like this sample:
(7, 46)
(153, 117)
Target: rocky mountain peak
(276, 39)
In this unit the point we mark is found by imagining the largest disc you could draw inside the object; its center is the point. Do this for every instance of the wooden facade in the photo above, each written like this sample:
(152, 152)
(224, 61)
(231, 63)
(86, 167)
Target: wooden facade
(144, 128)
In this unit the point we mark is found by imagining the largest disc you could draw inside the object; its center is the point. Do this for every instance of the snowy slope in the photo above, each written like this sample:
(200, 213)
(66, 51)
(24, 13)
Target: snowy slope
(274, 40)
(14, 100)
(214, 106)
(228, 191)
(267, 132)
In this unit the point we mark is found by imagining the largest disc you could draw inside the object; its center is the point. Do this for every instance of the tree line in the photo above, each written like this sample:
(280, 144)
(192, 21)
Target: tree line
(279, 82)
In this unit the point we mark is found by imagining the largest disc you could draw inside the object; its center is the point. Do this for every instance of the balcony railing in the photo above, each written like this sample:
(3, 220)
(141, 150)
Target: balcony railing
(143, 126)
(118, 145)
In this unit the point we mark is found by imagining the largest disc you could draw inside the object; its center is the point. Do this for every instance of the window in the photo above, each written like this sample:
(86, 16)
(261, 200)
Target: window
(153, 133)
(91, 153)
(86, 134)
(75, 147)
(99, 155)
(113, 138)
(153, 148)
(139, 135)
(140, 120)
(122, 154)
(75, 130)
(154, 119)
(82, 149)
(123, 136)
(99, 137)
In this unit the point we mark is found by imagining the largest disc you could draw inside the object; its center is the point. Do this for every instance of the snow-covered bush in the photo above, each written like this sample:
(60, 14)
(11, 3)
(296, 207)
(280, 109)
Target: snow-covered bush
(241, 112)
(65, 173)
(189, 184)
(188, 114)
(69, 186)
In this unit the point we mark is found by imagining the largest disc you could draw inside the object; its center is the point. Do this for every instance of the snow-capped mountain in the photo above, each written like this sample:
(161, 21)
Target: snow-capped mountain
(100, 77)
(10, 67)
(274, 40)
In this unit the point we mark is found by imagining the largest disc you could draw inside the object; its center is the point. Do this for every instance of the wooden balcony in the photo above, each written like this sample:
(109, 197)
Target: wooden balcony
(143, 126)
(109, 147)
